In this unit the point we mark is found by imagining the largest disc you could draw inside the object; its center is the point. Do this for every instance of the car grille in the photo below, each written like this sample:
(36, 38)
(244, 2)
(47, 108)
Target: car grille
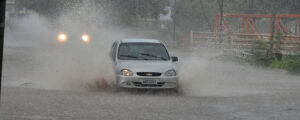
(139, 84)
(148, 74)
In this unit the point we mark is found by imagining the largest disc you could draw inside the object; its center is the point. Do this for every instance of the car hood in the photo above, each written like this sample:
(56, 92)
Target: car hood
(146, 66)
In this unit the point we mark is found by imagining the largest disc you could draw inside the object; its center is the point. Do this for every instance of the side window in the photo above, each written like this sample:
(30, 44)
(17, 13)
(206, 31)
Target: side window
(113, 51)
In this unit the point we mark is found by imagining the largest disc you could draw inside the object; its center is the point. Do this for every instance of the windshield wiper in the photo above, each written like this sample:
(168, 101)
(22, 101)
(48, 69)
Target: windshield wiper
(131, 56)
(150, 55)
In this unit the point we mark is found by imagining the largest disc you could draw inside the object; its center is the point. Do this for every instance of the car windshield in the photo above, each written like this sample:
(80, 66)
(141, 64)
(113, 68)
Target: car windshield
(142, 51)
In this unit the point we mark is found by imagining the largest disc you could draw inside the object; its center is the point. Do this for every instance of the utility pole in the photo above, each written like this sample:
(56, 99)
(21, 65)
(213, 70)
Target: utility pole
(2, 26)
(271, 49)
(174, 19)
(221, 5)
(250, 5)
(205, 16)
(136, 16)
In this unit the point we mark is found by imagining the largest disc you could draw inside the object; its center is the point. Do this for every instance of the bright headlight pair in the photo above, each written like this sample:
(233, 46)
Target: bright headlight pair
(62, 37)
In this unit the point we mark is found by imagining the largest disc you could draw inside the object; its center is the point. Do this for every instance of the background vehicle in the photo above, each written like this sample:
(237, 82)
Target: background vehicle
(63, 37)
(143, 63)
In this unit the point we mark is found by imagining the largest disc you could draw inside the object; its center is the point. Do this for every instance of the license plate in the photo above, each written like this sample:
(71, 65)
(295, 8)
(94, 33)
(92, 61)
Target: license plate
(149, 81)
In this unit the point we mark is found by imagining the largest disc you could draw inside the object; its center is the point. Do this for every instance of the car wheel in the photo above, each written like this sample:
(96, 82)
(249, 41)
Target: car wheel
(175, 90)
(118, 88)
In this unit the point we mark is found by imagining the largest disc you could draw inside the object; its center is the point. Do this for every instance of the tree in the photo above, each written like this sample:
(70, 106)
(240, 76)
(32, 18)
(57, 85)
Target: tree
(190, 14)
(120, 12)
(293, 6)
(48, 8)
(129, 11)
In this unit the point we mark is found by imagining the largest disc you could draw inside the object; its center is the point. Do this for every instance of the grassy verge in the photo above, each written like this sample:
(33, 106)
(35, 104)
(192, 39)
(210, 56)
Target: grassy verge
(292, 65)
(263, 54)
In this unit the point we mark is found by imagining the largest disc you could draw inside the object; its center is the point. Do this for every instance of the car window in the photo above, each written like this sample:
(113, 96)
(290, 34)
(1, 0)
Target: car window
(113, 51)
(142, 51)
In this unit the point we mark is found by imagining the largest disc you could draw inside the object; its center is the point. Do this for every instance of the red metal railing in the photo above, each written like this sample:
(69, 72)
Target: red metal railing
(249, 26)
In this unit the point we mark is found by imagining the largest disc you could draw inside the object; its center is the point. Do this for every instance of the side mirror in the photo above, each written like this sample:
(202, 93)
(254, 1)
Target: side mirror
(174, 59)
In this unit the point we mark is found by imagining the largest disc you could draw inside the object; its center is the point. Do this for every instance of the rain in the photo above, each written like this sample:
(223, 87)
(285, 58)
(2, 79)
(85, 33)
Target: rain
(236, 59)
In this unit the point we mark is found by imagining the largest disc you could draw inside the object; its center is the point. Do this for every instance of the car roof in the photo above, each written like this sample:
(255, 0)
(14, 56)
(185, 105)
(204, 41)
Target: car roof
(137, 40)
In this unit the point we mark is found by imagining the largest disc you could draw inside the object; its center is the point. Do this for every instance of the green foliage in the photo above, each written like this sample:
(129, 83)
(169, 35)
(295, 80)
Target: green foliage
(264, 54)
(277, 42)
(189, 15)
(260, 54)
(126, 12)
(289, 64)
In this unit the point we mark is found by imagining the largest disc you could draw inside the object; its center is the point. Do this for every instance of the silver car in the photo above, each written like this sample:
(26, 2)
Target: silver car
(143, 63)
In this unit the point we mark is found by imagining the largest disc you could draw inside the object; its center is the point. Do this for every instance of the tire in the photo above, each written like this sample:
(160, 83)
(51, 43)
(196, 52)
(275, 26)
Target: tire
(172, 91)
(175, 90)
(118, 89)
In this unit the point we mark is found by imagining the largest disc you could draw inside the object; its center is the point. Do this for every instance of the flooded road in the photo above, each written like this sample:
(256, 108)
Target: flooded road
(37, 104)
(210, 89)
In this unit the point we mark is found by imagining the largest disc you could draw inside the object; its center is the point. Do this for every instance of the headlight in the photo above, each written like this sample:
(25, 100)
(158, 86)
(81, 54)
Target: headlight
(85, 38)
(62, 37)
(126, 72)
(170, 73)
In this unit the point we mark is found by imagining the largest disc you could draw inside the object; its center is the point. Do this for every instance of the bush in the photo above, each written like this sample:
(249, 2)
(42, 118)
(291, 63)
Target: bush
(268, 54)
(289, 64)
(260, 55)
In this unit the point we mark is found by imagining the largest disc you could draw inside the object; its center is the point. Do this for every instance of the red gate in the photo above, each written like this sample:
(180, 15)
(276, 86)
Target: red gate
(249, 26)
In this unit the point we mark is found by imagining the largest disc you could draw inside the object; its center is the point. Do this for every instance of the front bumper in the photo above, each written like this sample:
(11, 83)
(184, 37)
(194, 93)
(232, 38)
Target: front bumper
(137, 82)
